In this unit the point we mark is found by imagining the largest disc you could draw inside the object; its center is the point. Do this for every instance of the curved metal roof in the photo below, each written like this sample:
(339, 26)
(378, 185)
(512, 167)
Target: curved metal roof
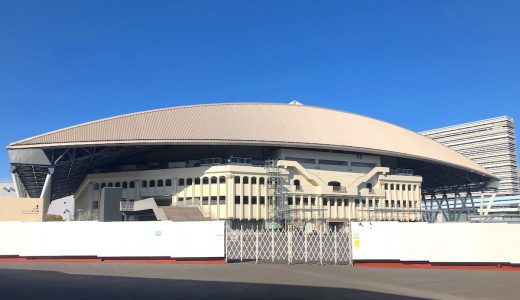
(290, 125)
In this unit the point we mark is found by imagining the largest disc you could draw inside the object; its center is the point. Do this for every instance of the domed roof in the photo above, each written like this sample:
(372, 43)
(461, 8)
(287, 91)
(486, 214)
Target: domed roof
(288, 125)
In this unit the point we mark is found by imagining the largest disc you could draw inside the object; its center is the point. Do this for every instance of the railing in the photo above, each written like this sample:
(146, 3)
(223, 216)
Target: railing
(126, 205)
(404, 172)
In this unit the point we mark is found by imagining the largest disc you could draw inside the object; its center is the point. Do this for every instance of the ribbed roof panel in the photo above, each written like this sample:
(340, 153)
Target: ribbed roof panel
(256, 123)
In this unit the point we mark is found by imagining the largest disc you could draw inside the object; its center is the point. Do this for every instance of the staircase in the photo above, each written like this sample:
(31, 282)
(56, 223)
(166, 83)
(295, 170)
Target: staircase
(184, 213)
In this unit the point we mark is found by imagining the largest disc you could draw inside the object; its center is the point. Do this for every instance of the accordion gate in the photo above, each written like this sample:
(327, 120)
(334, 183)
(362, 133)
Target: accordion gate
(289, 246)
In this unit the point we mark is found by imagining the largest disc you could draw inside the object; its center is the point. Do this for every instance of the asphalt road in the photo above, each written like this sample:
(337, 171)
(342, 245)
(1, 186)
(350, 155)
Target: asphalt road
(110, 280)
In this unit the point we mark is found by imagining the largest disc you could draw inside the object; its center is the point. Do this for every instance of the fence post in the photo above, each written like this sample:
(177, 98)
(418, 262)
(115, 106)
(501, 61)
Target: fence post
(256, 244)
(305, 244)
(335, 246)
(272, 244)
(321, 247)
(241, 239)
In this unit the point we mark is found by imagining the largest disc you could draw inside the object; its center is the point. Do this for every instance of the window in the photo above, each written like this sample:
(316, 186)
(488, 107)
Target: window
(356, 203)
(313, 201)
(369, 186)
(262, 200)
(197, 180)
(125, 184)
(410, 204)
(205, 180)
(334, 183)
(237, 179)
(181, 181)
(160, 183)
(332, 202)
(333, 162)
(392, 187)
(214, 179)
(118, 184)
(222, 179)
(132, 184)
(345, 202)
(289, 200)
(262, 180)
(369, 203)
(397, 186)
(144, 184)
(189, 181)
(377, 202)
(110, 184)
(213, 199)
(254, 200)
(204, 200)
(404, 203)
(95, 205)
(237, 199)
(386, 203)
(296, 182)
(246, 199)
(305, 201)
(386, 186)
(359, 156)
(168, 182)
(245, 180)
(152, 183)
(404, 187)
(392, 203)
(222, 199)
(96, 186)
(362, 164)
(180, 199)
(253, 180)
(364, 202)
(324, 201)
(298, 201)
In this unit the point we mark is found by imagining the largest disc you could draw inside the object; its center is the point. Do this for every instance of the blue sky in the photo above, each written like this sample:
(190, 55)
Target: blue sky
(418, 64)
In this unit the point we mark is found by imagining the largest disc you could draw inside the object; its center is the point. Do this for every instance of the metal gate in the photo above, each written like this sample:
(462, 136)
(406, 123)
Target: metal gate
(289, 246)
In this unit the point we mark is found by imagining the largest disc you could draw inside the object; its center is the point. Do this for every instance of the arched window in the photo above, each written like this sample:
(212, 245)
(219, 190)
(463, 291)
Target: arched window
(397, 186)
(103, 185)
(253, 180)
(168, 182)
(222, 179)
(132, 184)
(262, 180)
(144, 183)
(160, 183)
(189, 181)
(404, 187)
(205, 180)
(214, 179)
(110, 184)
(151, 183)
(296, 182)
(245, 180)
(409, 187)
(125, 184)
(197, 180)
(118, 184)
(181, 181)
(237, 179)
(96, 186)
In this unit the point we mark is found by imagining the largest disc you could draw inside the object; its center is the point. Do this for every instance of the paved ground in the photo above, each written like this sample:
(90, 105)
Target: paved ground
(50, 280)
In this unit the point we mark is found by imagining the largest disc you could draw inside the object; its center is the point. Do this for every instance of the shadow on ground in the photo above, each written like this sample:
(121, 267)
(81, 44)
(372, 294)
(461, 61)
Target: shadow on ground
(31, 284)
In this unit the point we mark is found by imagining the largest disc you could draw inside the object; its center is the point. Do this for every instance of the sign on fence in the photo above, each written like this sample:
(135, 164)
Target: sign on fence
(288, 246)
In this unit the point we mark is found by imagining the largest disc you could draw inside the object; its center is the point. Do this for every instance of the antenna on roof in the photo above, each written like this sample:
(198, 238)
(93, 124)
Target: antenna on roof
(295, 102)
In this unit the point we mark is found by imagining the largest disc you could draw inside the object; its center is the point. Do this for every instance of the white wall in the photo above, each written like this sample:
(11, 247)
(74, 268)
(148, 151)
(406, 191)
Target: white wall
(437, 243)
(113, 239)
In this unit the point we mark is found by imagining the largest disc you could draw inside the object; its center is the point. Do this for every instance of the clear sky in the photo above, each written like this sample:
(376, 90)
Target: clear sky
(418, 64)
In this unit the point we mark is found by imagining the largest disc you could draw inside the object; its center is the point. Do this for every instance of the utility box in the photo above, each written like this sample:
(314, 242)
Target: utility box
(109, 206)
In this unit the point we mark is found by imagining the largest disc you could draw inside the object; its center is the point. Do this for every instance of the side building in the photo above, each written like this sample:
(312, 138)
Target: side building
(490, 143)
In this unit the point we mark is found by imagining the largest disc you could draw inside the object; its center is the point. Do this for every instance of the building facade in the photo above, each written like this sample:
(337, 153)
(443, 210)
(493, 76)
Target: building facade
(491, 143)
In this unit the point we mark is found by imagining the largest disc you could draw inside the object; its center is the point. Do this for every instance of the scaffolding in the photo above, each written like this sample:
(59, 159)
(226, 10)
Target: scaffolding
(280, 214)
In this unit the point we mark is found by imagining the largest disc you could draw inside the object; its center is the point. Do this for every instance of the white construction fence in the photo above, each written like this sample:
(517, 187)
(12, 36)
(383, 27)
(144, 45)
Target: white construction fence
(457, 243)
(203, 239)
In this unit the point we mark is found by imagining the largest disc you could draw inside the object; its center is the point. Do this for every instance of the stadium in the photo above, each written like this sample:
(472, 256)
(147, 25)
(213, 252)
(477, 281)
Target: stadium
(245, 162)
